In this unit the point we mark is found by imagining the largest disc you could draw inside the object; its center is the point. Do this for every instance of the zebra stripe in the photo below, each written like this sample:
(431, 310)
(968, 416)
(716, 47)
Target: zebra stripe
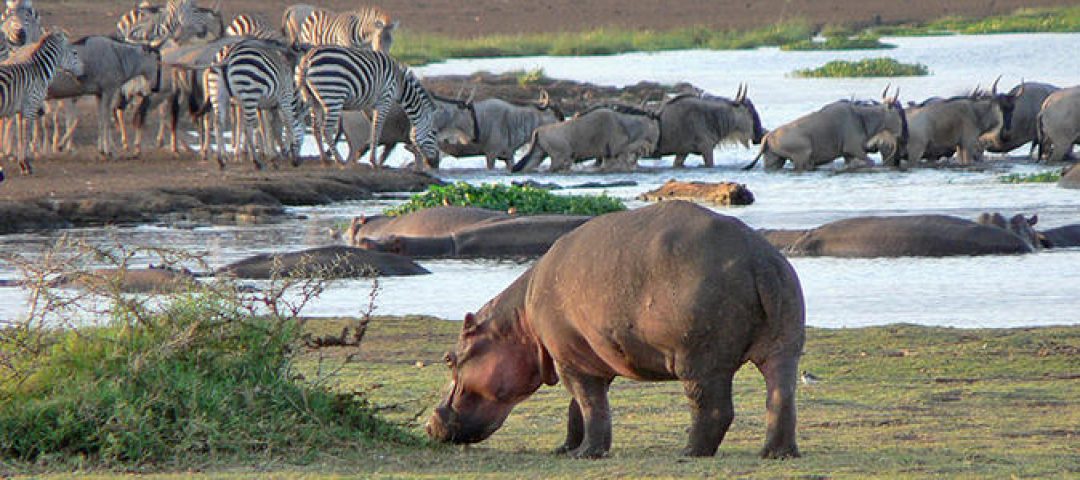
(253, 26)
(366, 28)
(179, 19)
(23, 86)
(333, 79)
(21, 24)
(255, 77)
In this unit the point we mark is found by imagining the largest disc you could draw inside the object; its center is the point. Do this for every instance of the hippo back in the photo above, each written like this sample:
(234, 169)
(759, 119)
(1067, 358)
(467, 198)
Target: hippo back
(429, 222)
(907, 236)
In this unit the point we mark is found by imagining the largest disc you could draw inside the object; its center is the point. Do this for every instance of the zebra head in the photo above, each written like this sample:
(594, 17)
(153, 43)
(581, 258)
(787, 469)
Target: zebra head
(57, 46)
(417, 103)
(383, 36)
(21, 24)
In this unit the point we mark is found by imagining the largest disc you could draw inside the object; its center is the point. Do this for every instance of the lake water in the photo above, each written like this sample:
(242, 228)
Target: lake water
(994, 291)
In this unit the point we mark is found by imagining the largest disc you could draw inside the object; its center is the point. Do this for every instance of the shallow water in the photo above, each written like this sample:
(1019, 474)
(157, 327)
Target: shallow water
(996, 291)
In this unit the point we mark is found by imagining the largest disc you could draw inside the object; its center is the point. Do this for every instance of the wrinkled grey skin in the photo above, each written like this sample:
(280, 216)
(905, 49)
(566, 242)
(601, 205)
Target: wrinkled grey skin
(1059, 125)
(1024, 127)
(691, 124)
(962, 124)
(524, 236)
(616, 139)
(908, 236)
(679, 293)
(840, 129)
(504, 127)
(429, 222)
(324, 262)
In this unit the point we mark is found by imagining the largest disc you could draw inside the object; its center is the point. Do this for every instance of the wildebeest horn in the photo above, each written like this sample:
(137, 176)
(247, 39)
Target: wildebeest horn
(885, 93)
(1021, 91)
(993, 87)
(741, 93)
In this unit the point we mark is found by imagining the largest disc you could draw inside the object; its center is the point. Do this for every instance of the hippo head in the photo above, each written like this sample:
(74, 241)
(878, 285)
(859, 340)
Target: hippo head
(1019, 225)
(491, 371)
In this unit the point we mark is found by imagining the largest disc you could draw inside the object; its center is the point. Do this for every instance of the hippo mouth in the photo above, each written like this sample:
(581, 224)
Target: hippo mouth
(447, 427)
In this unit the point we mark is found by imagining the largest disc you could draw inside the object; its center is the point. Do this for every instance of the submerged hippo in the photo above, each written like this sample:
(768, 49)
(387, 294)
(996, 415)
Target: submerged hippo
(671, 291)
(429, 222)
(152, 279)
(329, 262)
(1061, 237)
(909, 236)
(526, 236)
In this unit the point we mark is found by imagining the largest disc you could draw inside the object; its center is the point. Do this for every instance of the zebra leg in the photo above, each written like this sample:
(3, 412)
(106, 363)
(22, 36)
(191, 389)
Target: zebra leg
(331, 122)
(250, 119)
(21, 147)
(318, 125)
(382, 111)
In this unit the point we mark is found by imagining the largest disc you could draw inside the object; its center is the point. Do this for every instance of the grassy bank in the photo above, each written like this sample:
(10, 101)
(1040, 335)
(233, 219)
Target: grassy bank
(419, 48)
(870, 67)
(897, 401)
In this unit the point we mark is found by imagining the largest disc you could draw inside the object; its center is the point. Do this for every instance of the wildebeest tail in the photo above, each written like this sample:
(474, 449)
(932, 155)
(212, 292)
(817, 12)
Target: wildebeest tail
(520, 164)
(761, 153)
(1040, 136)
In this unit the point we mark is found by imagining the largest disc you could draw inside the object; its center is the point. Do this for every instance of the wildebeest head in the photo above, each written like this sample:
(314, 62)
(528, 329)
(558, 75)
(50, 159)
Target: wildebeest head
(491, 371)
(741, 100)
(1006, 103)
(895, 122)
(456, 121)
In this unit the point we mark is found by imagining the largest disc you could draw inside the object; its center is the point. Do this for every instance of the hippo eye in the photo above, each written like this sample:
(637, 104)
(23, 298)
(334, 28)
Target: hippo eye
(450, 359)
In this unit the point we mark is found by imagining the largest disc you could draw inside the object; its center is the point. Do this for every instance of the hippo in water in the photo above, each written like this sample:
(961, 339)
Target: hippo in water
(328, 262)
(671, 291)
(913, 236)
(525, 236)
(429, 222)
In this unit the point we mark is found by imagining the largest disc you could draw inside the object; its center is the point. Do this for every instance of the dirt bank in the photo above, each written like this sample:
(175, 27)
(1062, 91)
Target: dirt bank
(81, 190)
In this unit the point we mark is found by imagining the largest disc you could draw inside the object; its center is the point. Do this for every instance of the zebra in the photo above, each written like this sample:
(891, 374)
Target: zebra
(142, 24)
(292, 20)
(21, 23)
(366, 28)
(333, 78)
(179, 20)
(254, 76)
(23, 86)
(253, 26)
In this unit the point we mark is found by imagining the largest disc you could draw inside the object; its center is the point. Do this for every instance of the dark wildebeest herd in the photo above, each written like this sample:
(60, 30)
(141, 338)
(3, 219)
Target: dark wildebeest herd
(679, 293)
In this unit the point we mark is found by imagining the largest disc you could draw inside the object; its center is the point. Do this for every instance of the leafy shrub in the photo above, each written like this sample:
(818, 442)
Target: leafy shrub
(526, 200)
(1040, 177)
(196, 377)
(870, 67)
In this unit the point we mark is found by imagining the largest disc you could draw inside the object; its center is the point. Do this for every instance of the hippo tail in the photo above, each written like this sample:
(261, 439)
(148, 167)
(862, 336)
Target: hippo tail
(782, 301)
(1040, 137)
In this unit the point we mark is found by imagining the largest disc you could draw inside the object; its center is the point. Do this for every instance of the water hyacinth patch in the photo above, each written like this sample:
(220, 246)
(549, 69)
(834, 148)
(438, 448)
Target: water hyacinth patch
(524, 200)
(870, 67)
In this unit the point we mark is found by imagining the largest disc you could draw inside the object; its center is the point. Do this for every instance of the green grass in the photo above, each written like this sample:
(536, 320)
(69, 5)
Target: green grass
(842, 42)
(870, 67)
(525, 200)
(1041, 177)
(1026, 20)
(419, 48)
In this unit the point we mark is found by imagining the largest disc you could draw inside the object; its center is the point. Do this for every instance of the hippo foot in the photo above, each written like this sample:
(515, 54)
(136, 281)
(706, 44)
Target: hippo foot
(563, 449)
(789, 451)
(698, 451)
(590, 452)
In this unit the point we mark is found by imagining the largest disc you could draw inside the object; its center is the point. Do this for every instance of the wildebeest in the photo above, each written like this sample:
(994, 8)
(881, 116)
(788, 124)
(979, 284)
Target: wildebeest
(615, 138)
(109, 64)
(1059, 125)
(1024, 126)
(504, 127)
(455, 123)
(961, 123)
(694, 124)
(840, 129)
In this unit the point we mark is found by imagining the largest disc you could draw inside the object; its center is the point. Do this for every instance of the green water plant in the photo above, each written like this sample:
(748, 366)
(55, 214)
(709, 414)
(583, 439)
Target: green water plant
(525, 200)
(870, 67)
(1051, 176)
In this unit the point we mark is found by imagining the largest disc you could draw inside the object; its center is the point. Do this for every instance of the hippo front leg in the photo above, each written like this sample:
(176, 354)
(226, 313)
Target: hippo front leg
(575, 429)
(711, 414)
(590, 396)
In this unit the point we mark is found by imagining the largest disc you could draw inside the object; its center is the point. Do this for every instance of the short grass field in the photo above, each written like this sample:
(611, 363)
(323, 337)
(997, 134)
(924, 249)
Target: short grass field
(893, 402)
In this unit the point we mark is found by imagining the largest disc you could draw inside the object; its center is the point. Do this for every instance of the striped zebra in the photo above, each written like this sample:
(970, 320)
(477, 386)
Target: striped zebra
(365, 28)
(23, 86)
(255, 77)
(332, 79)
(253, 26)
(21, 23)
(179, 20)
(142, 24)
(292, 20)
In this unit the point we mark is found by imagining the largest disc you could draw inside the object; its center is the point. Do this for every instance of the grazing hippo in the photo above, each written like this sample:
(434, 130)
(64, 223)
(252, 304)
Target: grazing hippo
(671, 291)
(526, 236)
(909, 236)
(331, 262)
(428, 222)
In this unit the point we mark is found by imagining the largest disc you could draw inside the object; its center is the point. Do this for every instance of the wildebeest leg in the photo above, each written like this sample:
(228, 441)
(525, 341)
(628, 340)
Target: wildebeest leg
(711, 413)
(66, 142)
(489, 160)
(591, 396)
(680, 160)
(780, 371)
(708, 156)
(388, 149)
(575, 429)
(104, 107)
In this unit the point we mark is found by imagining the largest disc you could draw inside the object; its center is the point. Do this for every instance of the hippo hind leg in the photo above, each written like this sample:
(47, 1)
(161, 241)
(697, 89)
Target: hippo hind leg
(711, 413)
(575, 429)
(590, 396)
(780, 370)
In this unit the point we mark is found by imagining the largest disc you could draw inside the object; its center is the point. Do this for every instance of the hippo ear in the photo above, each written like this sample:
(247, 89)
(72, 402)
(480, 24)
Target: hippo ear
(469, 323)
(397, 245)
(362, 220)
(548, 375)
(1033, 220)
